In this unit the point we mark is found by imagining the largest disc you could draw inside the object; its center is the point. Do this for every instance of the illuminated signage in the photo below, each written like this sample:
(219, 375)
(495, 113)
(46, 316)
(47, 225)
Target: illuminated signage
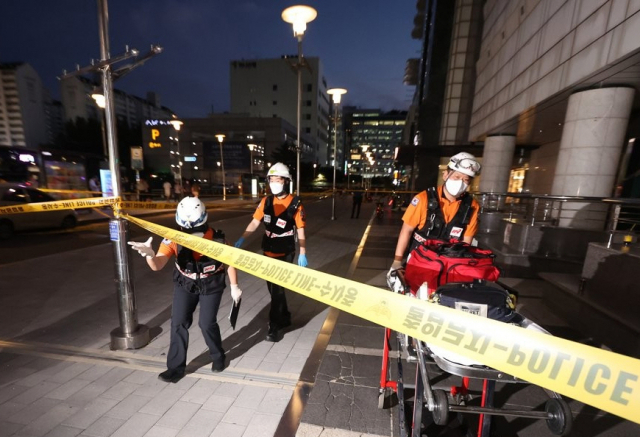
(23, 157)
(190, 159)
(153, 144)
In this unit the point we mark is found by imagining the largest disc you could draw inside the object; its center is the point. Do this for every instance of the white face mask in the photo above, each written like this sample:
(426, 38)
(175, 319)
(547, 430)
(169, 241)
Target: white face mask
(276, 188)
(455, 188)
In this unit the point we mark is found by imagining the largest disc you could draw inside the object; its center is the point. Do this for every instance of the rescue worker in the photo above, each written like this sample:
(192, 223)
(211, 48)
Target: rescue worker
(283, 217)
(197, 279)
(445, 213)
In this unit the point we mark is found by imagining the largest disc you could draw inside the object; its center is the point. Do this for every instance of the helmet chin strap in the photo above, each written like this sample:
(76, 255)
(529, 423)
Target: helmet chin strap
(202, 228)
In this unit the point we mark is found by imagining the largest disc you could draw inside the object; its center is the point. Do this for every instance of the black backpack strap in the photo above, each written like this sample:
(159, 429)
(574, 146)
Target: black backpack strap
(218, 236)
(293, 207)
(433, 208)
(465, 209)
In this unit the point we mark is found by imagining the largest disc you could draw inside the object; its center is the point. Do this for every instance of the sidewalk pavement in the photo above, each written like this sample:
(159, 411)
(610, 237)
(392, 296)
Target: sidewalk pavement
(59, 377)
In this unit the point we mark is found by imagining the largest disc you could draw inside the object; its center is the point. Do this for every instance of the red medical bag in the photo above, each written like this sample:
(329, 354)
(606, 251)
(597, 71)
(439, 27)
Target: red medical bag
(439, 262)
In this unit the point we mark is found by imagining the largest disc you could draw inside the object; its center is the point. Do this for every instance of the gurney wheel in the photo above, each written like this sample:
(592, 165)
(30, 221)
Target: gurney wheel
(441, 408)
(561, 419)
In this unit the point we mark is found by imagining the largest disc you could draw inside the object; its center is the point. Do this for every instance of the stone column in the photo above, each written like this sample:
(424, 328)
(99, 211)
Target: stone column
(592, 140)
(496, 163)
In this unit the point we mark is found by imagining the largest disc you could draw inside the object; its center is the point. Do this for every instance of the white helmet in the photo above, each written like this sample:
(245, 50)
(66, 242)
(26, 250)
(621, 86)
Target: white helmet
(465, 163)
(279, 169)
(191, 213)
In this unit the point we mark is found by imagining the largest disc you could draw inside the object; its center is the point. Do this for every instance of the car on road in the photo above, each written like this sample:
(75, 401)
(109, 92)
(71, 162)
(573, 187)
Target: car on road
(13, 194)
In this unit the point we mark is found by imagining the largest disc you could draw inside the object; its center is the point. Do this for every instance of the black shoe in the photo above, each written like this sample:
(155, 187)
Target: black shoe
(171, 375)
(219, 366)
(273, 334)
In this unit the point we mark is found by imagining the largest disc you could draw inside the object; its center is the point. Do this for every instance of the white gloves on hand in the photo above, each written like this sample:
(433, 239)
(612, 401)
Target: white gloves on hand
(143, 249)
(236, 293)
(392, 279)
(395, 266)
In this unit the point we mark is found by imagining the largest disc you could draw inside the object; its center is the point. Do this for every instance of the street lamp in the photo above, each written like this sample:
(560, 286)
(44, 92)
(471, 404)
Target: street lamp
(177, 124)
(101, 103)
(336, 94)
(220, 138)
(251, 147)
(299, 16)
(314, 170)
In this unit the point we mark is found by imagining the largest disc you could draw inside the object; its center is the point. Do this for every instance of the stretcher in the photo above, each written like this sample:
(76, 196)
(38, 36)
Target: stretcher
(432, 362)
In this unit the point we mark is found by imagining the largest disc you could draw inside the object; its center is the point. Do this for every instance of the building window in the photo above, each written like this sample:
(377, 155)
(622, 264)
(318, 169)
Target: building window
(275, 87)
(308, 103)
(307, 116)
(275, 102)
(309, 87)
(307, 130)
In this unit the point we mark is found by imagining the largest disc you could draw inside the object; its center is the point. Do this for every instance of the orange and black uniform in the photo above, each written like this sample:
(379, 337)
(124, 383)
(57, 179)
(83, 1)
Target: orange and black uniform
(196, 279)
(455, 222)
(281, 218)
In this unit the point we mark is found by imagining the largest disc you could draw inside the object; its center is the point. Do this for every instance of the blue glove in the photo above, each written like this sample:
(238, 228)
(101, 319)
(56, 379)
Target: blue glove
(302, 260)
(239, 242)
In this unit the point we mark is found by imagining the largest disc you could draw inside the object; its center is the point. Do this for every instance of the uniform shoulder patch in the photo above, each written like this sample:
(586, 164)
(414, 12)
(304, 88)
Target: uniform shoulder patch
(415, 201)
(166, 241)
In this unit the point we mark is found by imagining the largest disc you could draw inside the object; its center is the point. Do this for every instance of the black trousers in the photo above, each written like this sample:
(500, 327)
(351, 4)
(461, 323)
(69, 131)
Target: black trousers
(184, 304)
(356, 209)
(279, 314)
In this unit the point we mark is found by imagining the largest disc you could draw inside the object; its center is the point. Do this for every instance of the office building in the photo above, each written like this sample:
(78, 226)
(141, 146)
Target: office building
(545, 91)
(23, 102)
(372, 136)
(76, 91)
(269, 88)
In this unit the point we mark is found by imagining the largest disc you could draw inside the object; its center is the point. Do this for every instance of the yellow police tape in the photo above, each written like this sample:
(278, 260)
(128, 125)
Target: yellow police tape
(57, 205)
(603, 379)
(91, 202)
(128, 204)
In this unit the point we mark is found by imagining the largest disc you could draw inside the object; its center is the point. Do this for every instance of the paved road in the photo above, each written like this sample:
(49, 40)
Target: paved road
(59, 377)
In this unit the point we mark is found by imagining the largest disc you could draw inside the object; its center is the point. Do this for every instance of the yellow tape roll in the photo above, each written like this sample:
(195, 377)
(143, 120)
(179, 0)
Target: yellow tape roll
(603, 379)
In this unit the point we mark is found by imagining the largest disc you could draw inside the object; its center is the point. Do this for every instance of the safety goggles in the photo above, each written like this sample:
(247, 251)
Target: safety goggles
(466, 164)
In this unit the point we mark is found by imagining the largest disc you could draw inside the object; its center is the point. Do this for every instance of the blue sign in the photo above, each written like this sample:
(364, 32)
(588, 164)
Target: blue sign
(113, 230)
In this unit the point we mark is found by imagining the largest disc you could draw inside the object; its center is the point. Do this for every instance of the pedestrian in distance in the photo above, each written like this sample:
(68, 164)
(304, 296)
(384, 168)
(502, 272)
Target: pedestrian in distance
(444, 213)
(197, 279)
(94, 184)
(167, 190)
(283, 217)
(195, 189)
(357, 203)
(177, 190)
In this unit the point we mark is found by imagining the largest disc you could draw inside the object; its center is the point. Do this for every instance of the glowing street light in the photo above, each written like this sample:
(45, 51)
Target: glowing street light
(299, 16)
(177, 124)
(336, 94)
(220, 138)
(98, 97)
(251, 147)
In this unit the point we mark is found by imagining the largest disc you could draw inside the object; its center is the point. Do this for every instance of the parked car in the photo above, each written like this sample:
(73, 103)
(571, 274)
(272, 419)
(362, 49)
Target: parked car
(20, 194)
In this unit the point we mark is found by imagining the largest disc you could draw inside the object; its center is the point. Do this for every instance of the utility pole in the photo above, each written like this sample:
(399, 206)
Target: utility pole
(129, 334)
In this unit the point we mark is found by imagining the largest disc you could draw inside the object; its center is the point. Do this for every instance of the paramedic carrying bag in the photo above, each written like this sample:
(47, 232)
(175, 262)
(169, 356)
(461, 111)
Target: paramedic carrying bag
(482, 298)
(438, 262)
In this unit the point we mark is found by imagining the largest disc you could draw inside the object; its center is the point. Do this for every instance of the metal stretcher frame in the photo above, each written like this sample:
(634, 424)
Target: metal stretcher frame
(557, 413)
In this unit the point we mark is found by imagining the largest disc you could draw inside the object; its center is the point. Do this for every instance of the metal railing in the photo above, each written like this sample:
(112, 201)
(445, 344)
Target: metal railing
(595, 213)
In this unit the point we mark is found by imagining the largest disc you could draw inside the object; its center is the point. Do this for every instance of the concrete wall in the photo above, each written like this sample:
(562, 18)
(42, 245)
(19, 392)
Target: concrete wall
(533, 49)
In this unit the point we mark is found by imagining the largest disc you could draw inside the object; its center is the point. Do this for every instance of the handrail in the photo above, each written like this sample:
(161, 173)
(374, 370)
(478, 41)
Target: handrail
(609, 214)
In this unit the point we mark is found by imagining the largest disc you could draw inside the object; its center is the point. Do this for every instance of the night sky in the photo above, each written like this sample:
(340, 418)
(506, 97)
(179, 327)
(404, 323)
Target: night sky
(363, 45)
